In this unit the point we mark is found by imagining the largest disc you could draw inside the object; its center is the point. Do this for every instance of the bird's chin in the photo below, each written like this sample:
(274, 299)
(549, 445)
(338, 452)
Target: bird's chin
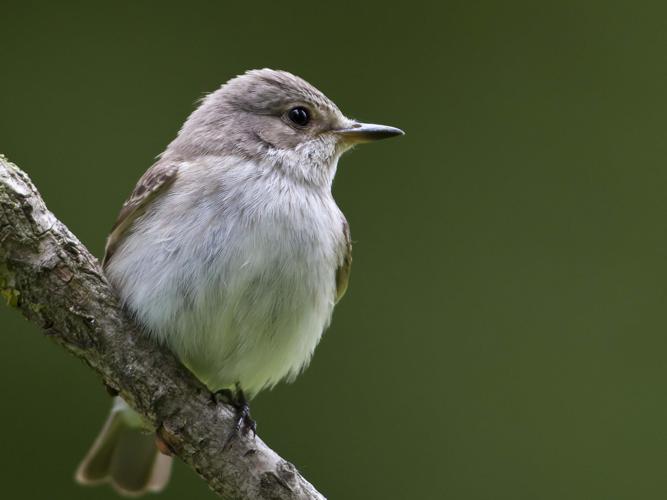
(342, 146)
(311, 163)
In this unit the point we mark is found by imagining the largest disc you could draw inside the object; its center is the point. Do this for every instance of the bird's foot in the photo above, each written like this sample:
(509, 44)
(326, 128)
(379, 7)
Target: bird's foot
(244, 423)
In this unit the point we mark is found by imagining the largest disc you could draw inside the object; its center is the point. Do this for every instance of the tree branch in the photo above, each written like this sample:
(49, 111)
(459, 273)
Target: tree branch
(55, 282)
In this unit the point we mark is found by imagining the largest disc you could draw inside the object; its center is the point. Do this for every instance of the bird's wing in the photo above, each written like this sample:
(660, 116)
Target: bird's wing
(343, 271)
(152, 184)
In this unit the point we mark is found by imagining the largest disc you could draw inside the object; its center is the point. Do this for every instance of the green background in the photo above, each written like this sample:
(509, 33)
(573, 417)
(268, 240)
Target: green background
(504, 334)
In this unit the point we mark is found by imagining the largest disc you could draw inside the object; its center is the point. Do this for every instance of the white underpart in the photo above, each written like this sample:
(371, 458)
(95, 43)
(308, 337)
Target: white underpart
(234, 269)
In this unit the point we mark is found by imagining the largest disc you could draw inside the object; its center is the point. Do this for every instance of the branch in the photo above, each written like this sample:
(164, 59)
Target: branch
(55, 282)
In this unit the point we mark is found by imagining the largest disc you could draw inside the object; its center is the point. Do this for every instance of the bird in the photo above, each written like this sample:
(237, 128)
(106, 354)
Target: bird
(232, 252)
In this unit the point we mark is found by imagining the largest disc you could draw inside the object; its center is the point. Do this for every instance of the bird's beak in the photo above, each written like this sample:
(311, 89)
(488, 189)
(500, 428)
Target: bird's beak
(357, 132)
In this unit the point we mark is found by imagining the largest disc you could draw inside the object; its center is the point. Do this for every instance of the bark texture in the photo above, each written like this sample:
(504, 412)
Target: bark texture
(55, 282)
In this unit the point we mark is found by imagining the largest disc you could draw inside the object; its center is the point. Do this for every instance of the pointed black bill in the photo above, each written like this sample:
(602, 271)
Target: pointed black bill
(367, 132)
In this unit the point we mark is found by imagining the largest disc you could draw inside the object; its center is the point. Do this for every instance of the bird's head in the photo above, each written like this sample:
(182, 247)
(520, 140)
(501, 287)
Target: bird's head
(274, 117)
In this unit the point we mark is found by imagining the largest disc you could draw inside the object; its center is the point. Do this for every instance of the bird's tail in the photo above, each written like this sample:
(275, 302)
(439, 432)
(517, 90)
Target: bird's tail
(125, 457)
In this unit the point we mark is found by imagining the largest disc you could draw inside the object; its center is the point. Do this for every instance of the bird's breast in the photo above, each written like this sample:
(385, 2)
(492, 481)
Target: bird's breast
(241, 285)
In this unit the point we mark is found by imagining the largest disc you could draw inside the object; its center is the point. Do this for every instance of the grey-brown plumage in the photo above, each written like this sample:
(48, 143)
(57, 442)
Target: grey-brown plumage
(125, 456)
(231, 249)
(156, 180)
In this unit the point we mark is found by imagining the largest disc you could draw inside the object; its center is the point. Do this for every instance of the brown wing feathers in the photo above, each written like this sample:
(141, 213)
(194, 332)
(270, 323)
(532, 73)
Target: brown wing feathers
(154, 182)
(343, 271)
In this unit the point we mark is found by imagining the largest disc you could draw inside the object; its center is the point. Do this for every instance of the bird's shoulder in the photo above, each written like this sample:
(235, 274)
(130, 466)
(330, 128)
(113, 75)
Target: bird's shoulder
(155, 182)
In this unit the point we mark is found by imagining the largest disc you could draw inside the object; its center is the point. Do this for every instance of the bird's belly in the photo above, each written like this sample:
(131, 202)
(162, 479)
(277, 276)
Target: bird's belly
(251, 316)
(239, 285)
(259, 329)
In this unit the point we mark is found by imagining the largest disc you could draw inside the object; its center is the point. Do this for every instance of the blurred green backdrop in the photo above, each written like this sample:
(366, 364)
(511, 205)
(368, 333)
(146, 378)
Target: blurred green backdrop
(504, 335)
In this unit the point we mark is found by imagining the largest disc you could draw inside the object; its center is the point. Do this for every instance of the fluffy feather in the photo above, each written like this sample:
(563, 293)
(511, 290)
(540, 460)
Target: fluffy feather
(239, 284)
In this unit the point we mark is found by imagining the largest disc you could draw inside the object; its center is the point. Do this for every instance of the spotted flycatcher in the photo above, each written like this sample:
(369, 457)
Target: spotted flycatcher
(232, 252)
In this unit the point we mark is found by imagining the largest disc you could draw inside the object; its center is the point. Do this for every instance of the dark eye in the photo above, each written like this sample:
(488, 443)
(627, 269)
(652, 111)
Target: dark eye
(299, 115)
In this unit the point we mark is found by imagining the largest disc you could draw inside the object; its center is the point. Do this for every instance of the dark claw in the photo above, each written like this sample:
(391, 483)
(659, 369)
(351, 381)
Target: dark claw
(244, 422)
(250, 425)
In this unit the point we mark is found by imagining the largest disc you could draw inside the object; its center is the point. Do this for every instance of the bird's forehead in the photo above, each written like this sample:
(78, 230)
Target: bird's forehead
(270, 89)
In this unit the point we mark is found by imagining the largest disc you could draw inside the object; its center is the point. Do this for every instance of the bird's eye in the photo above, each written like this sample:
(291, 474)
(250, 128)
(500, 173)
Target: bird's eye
(299, 115)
